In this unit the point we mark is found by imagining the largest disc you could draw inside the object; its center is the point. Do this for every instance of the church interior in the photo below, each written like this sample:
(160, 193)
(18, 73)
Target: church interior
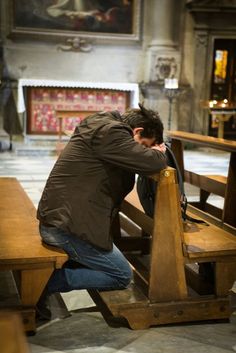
(62, 61)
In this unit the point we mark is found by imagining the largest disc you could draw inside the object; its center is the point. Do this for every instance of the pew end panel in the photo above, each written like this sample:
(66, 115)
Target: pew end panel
(163, 289)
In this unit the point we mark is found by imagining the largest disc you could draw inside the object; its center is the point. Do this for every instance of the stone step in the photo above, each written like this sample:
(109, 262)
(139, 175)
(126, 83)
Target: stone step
(35, 151)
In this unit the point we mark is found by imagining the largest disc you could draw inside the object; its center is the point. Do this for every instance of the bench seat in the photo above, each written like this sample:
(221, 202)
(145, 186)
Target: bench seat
(21, 244)
(208, 241)
(21, 248)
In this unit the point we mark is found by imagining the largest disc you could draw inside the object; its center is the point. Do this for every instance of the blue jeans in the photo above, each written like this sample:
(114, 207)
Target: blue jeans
(97, 268)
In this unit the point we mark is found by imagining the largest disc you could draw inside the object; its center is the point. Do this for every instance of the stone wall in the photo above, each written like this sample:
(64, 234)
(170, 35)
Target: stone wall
(171, 40)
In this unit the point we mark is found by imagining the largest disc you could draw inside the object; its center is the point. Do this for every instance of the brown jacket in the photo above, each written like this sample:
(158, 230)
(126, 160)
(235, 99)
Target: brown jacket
(93, 174)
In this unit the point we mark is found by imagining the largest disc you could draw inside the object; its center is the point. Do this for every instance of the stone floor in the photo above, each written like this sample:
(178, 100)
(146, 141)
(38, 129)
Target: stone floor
(80, 327)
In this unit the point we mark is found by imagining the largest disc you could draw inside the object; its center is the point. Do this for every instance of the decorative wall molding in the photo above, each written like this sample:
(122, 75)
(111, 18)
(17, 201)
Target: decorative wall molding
(166, 67)
(213, 14)
(76, 44)
(210, 4)
(202, 39)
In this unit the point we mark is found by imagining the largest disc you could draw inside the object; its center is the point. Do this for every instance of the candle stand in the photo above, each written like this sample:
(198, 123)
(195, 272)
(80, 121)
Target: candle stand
(171, 94)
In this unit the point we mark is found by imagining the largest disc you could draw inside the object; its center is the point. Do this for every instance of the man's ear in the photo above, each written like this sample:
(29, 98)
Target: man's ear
(137, 130)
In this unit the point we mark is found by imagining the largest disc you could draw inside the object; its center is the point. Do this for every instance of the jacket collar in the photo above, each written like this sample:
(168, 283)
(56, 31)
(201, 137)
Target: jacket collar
(116, 115)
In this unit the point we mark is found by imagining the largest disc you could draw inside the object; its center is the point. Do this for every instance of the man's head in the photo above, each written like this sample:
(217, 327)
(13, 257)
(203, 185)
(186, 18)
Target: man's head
(146, 125)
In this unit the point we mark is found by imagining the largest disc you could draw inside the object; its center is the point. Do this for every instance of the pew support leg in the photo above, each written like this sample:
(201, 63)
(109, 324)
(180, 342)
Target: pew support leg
(203, 198)
(225, 275)
(33, 283)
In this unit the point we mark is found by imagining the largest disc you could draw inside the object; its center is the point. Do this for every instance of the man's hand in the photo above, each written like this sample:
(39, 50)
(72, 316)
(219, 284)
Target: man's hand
(160, 147)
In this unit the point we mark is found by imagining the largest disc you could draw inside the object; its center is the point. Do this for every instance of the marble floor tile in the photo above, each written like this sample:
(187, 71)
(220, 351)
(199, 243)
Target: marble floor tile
(88, 332)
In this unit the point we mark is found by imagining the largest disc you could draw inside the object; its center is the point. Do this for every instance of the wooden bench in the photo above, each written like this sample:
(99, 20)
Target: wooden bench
(21, 249)
(216, 184)
(163, 290)
(12, 335)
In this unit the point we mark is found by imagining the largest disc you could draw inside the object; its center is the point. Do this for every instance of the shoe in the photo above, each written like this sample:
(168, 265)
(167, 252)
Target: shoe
(43, 311)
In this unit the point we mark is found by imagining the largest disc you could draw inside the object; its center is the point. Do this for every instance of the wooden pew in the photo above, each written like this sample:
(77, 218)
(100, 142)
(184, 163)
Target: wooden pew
(216, 184)
(161, 292)
(12, 335)
(21, 249)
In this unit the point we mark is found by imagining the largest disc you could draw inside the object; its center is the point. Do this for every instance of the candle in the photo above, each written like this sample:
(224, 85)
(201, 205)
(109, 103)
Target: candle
(171, 83)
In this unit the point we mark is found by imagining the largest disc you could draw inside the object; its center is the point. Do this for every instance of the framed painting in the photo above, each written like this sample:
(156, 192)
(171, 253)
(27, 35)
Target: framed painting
(63, 19)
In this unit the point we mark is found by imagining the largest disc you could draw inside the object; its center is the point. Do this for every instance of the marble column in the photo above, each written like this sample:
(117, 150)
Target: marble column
(162, 25)
(164, 58)
(201, 78)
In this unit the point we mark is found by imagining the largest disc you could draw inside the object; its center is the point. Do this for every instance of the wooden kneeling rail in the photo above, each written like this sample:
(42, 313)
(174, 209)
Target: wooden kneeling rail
(215, 184)
(22, 251)
(161, 291)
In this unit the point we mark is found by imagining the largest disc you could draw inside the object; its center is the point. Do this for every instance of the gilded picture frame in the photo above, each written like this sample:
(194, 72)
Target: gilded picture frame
(100, 20)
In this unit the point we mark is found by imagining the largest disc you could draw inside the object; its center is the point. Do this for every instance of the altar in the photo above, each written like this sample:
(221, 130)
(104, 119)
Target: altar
(221, 115)
(220, 112)
(40, 100)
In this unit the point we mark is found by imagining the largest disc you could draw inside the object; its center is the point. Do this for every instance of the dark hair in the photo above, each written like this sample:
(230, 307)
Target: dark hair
(148, 119)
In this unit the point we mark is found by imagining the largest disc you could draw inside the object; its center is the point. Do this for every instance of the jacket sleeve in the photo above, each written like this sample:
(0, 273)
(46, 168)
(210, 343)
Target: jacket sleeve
(116, 145)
